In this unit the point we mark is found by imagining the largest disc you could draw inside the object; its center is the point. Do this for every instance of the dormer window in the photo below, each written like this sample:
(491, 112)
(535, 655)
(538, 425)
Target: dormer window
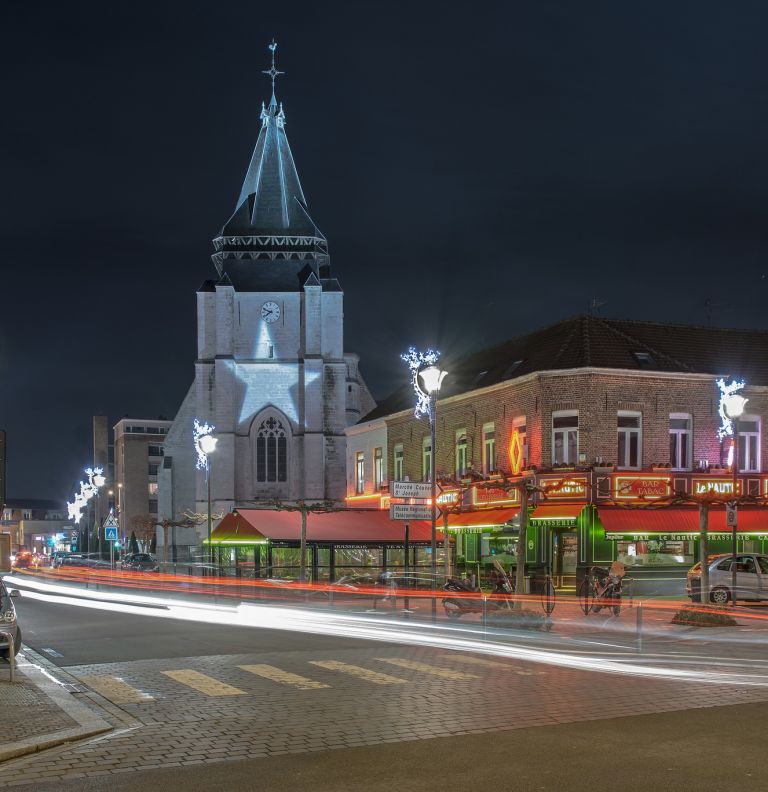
(511, 369)
(644, 360)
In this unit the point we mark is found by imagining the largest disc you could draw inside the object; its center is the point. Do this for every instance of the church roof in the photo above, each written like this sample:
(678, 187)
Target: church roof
(591, 341)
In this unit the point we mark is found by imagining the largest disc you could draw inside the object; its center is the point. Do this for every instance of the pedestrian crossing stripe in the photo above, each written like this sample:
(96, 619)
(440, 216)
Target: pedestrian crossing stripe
(493, 664)
(415, 665)
(362, 673)
(283, 677)
(115, 689)
(203, 683)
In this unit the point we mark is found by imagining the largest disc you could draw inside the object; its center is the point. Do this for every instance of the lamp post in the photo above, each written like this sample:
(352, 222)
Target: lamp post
(733, 406)
(432, 378)
(205, 444)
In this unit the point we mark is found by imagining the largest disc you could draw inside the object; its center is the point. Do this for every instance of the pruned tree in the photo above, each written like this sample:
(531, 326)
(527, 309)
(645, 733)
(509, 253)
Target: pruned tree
(143, 526)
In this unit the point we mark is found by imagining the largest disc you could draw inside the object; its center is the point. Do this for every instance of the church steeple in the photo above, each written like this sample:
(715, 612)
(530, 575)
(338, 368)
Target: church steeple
(271, 218)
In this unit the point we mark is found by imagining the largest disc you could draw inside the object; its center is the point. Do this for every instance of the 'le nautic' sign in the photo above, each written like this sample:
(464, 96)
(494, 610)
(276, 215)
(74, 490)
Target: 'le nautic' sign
(411, 489)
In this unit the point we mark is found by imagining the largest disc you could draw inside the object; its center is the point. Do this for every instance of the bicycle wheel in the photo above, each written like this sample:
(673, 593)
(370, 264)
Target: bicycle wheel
(548, 597)
(585, 595)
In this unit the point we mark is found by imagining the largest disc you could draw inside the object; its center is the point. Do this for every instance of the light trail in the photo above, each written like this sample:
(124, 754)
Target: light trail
(344, 625)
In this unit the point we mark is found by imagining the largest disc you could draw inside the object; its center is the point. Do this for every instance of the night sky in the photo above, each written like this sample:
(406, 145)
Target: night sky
(479, 170)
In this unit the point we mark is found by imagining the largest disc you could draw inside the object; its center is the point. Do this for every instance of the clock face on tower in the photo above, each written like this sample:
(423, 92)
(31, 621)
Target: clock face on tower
(270, 312)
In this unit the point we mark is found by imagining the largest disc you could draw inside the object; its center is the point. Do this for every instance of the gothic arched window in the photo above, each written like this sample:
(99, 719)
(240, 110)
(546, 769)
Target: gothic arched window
(271, 451)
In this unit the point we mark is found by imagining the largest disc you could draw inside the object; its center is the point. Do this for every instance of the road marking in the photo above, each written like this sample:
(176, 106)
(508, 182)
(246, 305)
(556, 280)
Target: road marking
(415, 665)
(115, 689)
(363, 673)
(204, 683)
(52, 653)
(493, 663)
(283, 677)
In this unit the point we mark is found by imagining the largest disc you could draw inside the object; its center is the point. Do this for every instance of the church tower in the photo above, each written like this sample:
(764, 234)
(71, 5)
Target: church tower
(271, 374)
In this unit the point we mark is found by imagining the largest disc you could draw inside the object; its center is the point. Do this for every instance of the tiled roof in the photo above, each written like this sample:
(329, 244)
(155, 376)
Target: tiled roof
(583, 341)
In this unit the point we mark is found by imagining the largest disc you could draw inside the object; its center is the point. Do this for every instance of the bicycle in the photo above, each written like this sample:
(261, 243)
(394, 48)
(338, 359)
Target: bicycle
(548, 595)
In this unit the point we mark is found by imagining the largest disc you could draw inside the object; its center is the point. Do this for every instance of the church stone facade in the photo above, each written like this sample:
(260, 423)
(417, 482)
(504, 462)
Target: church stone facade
(271, 373)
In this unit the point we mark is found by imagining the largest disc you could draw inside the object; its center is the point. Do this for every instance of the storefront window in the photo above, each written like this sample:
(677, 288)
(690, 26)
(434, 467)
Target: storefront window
(286, 562)
(656, 552)
(357, 561)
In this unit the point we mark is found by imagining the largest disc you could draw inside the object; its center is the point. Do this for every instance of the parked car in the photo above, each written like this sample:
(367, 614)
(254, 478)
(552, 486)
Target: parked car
(140, 562)
(8, 620)
(751, 579)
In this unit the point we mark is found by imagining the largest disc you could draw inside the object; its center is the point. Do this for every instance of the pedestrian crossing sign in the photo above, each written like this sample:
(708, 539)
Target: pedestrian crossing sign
(110, 528)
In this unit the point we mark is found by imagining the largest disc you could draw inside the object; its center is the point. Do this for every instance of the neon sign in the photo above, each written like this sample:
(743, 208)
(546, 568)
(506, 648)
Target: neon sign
(641, 487)
(515, 453)
(715, 486)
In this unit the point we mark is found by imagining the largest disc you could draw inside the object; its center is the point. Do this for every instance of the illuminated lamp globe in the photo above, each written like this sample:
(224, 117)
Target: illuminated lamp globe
(734, 405)
(432, 377)
(99, 480)
(207, 444)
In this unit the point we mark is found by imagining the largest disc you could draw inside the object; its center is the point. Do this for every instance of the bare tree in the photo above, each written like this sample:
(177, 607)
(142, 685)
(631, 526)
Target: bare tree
(143, 526)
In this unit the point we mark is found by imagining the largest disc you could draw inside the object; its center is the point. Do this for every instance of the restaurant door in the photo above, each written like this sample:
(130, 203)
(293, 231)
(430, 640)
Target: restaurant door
(565, 545)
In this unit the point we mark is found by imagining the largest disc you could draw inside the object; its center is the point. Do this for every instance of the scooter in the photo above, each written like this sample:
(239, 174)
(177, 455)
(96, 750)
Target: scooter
(607, 587)
(455, 607)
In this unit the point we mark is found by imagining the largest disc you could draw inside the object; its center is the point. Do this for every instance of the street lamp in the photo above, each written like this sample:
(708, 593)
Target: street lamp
(205, 444)
(733, 406)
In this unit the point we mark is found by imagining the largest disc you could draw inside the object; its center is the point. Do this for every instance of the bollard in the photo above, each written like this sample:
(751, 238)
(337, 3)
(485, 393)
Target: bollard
(639, 614)
(11, 653)
(485, 618)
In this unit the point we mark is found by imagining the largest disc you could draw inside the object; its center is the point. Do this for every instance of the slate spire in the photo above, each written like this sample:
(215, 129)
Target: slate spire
(271, 201)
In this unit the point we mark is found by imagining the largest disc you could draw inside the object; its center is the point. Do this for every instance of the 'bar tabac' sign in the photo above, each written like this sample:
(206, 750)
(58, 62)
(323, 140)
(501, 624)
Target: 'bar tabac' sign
(641, 487)
(715, 486)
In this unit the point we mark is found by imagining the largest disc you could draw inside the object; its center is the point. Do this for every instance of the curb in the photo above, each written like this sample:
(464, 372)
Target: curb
(36, 669)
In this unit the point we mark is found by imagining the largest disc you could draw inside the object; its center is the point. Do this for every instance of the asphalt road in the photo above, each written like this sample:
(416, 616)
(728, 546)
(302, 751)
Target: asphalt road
(70, 635)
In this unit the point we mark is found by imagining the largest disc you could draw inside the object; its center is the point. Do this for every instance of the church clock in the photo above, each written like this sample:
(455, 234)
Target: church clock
(270, 312)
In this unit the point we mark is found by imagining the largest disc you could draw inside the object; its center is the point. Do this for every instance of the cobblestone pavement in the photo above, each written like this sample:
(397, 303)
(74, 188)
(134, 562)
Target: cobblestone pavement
(187, 711)
(27, 711)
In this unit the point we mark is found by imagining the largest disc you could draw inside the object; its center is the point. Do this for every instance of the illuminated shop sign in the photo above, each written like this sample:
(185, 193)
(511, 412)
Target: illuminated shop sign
(515, 453)
(675, 537)
(448, 497)
(641, 488)
(494, 496)
(716, 486)
(568, 487)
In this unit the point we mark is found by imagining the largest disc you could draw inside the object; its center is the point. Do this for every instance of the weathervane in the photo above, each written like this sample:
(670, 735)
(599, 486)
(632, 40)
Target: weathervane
(273, 72)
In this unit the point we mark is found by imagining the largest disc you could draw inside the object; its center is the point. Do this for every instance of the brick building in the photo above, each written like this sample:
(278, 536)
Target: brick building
(618, 408)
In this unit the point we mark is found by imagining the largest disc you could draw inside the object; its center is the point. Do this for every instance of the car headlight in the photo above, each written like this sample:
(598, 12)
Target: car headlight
(8, 616)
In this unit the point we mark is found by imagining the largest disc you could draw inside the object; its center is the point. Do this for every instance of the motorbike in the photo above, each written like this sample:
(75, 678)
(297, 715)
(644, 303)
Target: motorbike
(455, 607)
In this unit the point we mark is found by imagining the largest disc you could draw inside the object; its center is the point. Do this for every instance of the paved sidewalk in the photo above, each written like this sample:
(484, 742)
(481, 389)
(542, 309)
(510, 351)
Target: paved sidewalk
(39, 710)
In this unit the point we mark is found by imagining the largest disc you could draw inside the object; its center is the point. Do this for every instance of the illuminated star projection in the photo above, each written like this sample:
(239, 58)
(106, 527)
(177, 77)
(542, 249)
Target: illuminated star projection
(198, 431)
(88, 489)
(727, 393)
(415, 362)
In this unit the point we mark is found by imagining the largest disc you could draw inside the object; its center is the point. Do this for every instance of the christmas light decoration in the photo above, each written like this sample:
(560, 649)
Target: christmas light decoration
(205, 443)
(416, 361)
(88, 490)
(731, 405)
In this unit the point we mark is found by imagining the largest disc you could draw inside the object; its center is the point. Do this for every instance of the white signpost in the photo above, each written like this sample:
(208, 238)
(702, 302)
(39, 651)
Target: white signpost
(411, 489)
(410, 511)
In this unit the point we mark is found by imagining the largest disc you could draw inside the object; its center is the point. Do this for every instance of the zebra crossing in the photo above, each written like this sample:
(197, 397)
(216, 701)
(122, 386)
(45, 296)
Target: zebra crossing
(377, 671)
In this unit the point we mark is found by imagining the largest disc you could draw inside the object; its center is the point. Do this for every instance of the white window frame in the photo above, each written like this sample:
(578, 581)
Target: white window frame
(628, 432)
(749, 437)
(378, 467)
(426, 458)
(565, 431)
(677, 433)
(397, 462)
(489, 448)
(359, 473)
(461, 455)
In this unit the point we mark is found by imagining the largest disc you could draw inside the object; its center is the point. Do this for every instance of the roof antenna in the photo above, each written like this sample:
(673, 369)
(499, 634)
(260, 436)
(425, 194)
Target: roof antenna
(595, 304)
(272, 72)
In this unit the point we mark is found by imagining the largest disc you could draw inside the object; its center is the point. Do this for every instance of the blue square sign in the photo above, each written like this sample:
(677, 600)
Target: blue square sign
(110, 533)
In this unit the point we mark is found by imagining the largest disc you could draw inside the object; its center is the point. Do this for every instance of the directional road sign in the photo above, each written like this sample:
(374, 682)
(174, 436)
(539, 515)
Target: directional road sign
(409, 511)
(411, 489)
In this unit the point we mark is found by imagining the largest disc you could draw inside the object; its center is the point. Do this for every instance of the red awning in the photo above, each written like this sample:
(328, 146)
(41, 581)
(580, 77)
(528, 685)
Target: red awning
(557, 511)
(352, 525)
(475, 520)
(670, 520)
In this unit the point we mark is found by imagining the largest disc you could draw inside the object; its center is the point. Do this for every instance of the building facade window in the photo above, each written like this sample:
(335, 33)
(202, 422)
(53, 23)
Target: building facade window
(153, 488)
(378, 468)
(680, 445)
(398, 462)
(461, 453)
(153, 469)
(426, 459)
(360, 473)
(565, 437)
(489, 449)
(629, 426)
(749, 444)
(271, 451)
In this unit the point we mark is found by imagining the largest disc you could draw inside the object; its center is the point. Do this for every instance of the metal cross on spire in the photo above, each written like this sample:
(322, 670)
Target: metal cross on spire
(273, 72)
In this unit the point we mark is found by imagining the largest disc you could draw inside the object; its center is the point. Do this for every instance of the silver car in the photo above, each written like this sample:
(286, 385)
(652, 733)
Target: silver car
(751, 578)
(8, 621)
